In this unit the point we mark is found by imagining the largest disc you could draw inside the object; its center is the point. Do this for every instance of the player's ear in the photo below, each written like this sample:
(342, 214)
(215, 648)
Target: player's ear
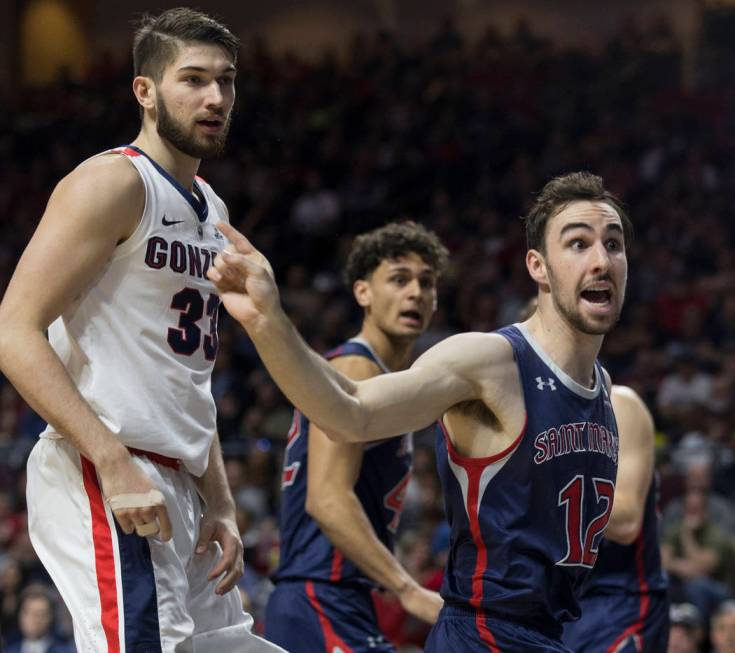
(144, 90)
(362, 292)
(536, 265)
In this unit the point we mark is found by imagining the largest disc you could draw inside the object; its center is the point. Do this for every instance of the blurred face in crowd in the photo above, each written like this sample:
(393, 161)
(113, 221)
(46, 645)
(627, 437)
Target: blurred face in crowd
(683, 639)
(584, 266)
(695, 508)
(35, 617)
(723, 632)
(399, 297)
(194, 100)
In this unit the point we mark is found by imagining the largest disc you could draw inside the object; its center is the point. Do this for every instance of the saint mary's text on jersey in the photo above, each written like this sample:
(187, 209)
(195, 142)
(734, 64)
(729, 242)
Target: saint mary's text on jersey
(577, 437)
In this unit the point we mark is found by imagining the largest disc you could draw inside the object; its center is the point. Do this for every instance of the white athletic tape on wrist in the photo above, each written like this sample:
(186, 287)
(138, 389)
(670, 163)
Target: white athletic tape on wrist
(144, 530)
(147, 500)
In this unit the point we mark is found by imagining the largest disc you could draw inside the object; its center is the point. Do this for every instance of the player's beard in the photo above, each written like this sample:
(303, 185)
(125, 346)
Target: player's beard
(207, 147)
(569, 310)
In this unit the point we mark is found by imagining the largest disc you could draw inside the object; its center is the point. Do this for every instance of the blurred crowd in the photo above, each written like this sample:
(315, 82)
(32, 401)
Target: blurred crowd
(458, 136)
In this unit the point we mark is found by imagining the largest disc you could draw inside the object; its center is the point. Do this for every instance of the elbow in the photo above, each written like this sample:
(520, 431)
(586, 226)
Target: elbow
(624, 532)
(318, 506)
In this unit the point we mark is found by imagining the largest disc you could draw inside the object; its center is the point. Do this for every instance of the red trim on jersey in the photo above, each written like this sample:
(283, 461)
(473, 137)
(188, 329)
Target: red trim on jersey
(173, 463)
(474, 468)
(474, 474)
(466, 461)
(295, 430)
(635, 629)
(127, 151)
(104, 557)
(200, 178)
(331, 639)
(337, 560)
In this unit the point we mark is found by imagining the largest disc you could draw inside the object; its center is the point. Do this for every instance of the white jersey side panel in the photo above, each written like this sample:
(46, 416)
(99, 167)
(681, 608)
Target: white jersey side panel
(140, 342)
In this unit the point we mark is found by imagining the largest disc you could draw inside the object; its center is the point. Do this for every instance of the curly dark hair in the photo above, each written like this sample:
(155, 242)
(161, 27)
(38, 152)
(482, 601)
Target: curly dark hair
(390, 242)
(158, 39)
(557, 194)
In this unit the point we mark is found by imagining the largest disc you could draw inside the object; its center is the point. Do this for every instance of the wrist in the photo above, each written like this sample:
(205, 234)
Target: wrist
(109, 456)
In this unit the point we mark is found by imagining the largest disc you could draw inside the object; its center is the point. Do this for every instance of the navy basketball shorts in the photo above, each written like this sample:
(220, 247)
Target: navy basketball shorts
(314, 617)
(620, 623)
(460, 629)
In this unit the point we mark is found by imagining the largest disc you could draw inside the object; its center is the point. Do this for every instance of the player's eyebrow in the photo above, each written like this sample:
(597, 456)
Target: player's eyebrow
(612, 226)
(201, 69)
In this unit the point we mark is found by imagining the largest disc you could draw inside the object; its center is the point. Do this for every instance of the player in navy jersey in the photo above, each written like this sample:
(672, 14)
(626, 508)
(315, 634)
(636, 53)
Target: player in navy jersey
(625, 606)
(341, 502)
(528, 453)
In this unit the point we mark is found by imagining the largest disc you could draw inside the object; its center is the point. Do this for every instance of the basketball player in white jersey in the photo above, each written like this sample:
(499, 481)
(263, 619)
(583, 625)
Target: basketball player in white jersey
(128, 503)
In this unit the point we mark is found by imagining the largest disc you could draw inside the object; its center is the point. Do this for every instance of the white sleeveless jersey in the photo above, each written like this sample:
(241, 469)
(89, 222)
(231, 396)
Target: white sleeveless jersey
(140, 342)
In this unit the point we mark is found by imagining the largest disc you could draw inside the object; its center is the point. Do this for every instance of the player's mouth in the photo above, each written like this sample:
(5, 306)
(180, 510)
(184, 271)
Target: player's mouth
(212, 125)
(411, 318)
(599, 298)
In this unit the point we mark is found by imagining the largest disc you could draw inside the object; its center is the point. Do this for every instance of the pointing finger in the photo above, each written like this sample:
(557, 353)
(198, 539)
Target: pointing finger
(241, 243)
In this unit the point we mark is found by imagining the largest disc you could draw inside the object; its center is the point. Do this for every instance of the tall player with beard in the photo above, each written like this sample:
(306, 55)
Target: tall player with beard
(527, 448)
(116, 271)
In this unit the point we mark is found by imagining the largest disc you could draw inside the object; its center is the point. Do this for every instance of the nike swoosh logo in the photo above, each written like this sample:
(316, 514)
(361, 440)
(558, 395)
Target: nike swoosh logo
(168, 223)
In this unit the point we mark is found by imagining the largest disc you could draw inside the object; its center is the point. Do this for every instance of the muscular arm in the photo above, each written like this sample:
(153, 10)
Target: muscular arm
(353, 411)
(635, 465)
(91, 210)
(333, 471)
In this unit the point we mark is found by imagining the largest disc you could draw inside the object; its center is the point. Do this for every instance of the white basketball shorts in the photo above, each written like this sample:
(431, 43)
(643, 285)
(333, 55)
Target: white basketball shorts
(129, 594)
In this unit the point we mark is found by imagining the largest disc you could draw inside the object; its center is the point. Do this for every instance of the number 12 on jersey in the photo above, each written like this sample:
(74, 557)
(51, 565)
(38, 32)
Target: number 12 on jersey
(583, 540)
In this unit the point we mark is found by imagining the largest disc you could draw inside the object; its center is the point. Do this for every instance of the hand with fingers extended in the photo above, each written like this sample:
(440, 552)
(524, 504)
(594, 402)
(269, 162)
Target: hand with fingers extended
(136, 502)
(220, 526)
(244, 279)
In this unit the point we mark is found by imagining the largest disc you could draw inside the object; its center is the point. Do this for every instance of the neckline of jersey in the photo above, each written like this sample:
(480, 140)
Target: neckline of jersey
(366, 344)
(567, 381)
(200, 207)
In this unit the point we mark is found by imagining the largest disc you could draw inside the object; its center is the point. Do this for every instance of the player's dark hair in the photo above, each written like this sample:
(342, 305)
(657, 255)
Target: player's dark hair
(559, 193)
(158, 39)
(390, 242)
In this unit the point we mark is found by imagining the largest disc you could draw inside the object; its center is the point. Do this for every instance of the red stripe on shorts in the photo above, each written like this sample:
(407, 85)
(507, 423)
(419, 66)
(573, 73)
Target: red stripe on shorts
(331, 639)
(104, 557)
(636, 628)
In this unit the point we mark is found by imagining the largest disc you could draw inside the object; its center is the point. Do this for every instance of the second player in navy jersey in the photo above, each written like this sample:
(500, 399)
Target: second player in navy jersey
(341, 502)
(530, 435)
(625, 608)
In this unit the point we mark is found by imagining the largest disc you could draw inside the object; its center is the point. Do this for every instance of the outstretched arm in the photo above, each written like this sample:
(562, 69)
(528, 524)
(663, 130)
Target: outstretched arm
(346, 410)
(90, 211)
(635, 465)
(333, 471)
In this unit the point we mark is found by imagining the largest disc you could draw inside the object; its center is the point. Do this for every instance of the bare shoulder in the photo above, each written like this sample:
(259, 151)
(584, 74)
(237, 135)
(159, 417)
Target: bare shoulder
(356, 367)
(108, 174)
(106, 187)
(627, 403)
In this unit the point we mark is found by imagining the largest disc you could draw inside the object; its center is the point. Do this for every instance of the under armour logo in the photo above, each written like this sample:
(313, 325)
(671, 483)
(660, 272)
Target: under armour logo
(540, 383)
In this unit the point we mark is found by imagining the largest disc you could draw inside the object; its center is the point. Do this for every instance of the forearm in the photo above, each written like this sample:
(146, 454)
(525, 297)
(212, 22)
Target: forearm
(308, 381)
(212, 485)
(52, 393)
(344, 522)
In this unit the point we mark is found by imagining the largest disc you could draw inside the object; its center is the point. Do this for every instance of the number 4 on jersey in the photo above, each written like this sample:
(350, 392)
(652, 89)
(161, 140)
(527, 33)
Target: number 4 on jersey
(583, 540)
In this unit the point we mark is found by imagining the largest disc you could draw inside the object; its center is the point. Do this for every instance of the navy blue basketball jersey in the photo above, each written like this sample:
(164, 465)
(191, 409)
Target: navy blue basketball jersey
(306, 553)
(636, 568)
(526, 523)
